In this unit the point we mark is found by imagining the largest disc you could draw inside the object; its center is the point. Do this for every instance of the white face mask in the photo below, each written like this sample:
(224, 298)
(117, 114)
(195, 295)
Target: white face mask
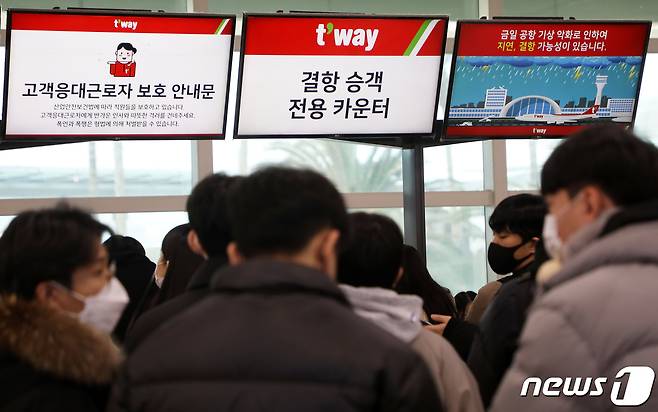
(551, 238)
(102, 311)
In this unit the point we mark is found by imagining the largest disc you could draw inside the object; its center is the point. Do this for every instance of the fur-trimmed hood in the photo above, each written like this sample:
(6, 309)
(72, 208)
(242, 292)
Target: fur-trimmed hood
(57, 344)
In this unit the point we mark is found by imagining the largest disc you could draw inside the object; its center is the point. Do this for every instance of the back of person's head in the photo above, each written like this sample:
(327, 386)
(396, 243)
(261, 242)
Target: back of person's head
(462, 301)
(47, 245)
(134, 270)
(181, 263)
(207, 211)
(521, 214)
(280, 211)
(609, 157)
(417, 280)
(372, 253)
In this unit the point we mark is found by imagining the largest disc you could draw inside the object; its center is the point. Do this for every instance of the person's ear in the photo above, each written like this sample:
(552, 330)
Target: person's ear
(194, 244)
(327, 255)
(398, 277)
(43, 292)
(234, 255)
(595, 201)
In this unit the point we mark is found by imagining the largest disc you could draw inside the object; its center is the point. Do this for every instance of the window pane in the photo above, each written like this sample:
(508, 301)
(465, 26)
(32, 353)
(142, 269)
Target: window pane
(646, 121)
(525, 158)
(454, 8)
(454, 167)
(127, 168)
(148, 228)
(582, 9)
(456, 249)
(352, 167)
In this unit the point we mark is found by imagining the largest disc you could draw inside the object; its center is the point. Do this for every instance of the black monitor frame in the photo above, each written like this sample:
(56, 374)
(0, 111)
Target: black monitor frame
(396, 139)
(36, 140)
(444, 134)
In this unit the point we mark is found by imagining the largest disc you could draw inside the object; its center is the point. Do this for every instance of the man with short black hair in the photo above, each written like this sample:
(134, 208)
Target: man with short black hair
(516, 223)
(209, 235)
(594, 316)
(369, 265)
(276, 333)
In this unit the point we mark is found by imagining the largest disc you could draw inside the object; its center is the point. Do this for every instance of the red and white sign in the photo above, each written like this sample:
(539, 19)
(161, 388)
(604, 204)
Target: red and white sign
(116, 76)
(338, 75)
(542, 78)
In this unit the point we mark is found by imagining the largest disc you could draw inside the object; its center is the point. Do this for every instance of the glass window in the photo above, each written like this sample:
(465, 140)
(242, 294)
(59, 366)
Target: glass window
(454, 167)
(148, 228)
(582, 9)
(525, 158)
(454, 8)
(646, 122)
(456, 248)
(127, 168)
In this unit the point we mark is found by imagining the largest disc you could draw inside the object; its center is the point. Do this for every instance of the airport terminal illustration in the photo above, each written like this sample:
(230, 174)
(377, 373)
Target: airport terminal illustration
(560, 77)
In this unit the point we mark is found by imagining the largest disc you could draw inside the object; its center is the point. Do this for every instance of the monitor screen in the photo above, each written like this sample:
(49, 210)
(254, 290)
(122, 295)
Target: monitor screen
(339, 76)
(93, 75)
(513, 79)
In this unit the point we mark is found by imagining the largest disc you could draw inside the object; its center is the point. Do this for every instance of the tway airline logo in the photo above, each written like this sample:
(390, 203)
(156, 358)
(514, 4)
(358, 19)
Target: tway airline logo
(637, 391)
(347, 37)
(122, 24)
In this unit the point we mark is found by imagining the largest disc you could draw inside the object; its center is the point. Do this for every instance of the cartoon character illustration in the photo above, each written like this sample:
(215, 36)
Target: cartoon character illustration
(124, 66)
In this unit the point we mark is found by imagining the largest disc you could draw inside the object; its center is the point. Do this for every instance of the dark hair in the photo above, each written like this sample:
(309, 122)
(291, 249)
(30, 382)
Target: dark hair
(135, 272)
(520, 214)
(372, 253)
(47, 245)
(126, 46)
(462, 299)
(279, 210)
(207, 210)
(182, 263)
(416, 280)
(609, 157)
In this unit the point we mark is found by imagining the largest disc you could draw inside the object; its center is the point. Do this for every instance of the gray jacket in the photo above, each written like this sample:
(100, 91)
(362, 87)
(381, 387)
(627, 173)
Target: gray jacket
(591, 319)
(400, 316)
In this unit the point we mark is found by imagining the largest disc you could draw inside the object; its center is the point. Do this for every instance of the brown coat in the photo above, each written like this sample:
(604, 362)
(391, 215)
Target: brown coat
(51, 361)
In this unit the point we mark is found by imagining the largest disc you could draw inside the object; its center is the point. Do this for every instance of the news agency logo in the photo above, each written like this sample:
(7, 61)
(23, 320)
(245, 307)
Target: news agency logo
(636, 392)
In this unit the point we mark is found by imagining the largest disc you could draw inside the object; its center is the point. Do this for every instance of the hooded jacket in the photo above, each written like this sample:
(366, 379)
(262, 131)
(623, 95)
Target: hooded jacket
(592, 318)
(50, 361)
(272, 336)
(400, 316)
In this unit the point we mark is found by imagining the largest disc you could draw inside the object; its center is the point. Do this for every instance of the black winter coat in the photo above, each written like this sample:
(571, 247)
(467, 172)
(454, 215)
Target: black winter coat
(496, 341)
(50, 362)
(273, 336)
(198, 288)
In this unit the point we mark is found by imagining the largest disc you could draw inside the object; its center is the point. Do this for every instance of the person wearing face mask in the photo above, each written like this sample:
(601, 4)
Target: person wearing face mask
(595, 316)
(517, 224)
(58, 303)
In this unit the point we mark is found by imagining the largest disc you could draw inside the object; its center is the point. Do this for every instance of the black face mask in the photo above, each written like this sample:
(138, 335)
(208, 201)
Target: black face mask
(501, 258)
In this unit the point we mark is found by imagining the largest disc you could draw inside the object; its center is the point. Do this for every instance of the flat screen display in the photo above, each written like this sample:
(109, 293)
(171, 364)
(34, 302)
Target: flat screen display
(338, 75)
(89, 75)
(543, 79)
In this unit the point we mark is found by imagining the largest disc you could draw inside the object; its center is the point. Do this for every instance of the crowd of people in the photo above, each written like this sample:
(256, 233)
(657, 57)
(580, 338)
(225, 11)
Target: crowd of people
(274, 297)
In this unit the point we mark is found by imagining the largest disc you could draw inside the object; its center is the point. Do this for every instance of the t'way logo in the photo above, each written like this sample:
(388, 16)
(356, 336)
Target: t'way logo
(348, 37)
(132, 25)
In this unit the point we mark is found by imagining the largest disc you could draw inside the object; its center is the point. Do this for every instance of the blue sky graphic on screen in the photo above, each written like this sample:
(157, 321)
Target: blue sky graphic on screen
(549, 90)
